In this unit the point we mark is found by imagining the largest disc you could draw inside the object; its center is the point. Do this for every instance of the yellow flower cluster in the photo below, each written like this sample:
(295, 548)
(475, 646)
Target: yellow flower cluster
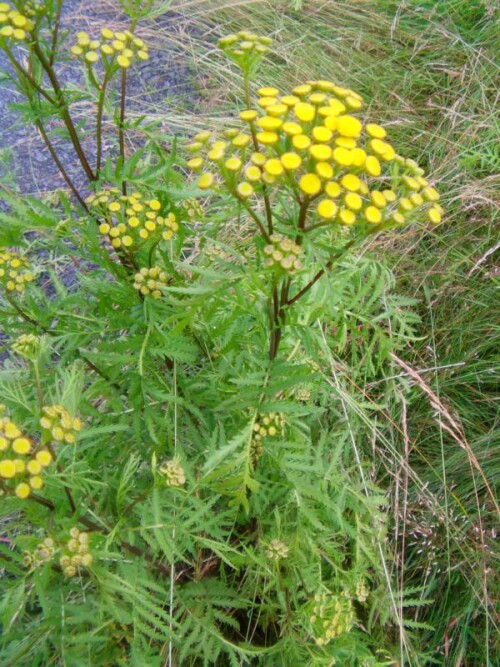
(43, 553)
(26, 345)
(270, 424)
(14, 24)
(18, 461)
(122, 48)
(283, 254)
(245, 48)
(276, 550)
(15, 271)
(267, 425)
(59, 425)
(77, 553)
(132, 220)
(331, 616)
(174, 473)
(150, 281)
(310, 142)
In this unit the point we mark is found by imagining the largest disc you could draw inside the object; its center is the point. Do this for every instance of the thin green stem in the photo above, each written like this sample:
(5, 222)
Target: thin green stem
(267, 202)
(49, 332)
(254, 215)
(121, 125)
(55, 33)
(20, 70)
(98, 129)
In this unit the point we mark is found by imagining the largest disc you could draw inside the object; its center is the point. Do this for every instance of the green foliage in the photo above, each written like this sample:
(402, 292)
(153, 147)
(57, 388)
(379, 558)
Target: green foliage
(210, 545)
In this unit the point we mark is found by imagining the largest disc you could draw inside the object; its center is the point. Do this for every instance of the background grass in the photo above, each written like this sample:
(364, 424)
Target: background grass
(428, 71)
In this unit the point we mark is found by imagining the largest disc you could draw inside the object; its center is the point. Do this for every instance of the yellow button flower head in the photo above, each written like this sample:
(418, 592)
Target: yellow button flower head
(291, 161)
(327, 209)
(310, 184)
(304, 112)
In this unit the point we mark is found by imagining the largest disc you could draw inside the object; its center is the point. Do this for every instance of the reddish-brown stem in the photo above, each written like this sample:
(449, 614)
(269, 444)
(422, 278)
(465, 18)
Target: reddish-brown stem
(63, 110)
(49, 332)
(60, 166)
(88, 523)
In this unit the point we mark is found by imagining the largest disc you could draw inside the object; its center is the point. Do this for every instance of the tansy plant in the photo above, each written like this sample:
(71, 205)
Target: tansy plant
(185, 455)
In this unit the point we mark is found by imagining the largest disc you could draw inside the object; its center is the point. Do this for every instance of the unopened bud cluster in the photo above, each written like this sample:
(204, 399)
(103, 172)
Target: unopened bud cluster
(283, 253)
(269, 424)
(303, 395)
(193, 209)
(76, 553)
(266, 425)
(173, 473)
(120, 48)
(15, 271)
(276, 550)
(215, 252)
(43, 553)
(26, 345)
(362, 591)
(59, 425)
(15, 25)
(20, 464)
(150, 281)
(131, 220)
(332, 615)
(245, 48)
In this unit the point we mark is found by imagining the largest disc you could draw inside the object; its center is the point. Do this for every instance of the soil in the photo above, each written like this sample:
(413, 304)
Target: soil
(25, 164)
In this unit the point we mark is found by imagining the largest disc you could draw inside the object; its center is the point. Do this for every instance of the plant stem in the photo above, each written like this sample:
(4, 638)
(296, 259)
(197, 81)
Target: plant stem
(254, 215)
(55, 33)
(39, 325)
(121, 125)
(20, 69)
(267, 202)
(320, 273)
(88, 523)
(58, 163)
(279, 321)
(98, 130)
(64, 111)
(21, 312)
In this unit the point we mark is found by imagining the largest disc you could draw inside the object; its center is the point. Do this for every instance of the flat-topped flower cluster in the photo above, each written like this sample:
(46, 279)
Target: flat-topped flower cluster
(310, 143)
(21, 463)
(15, 271)
(15, 26)
(131, 220)
(120, 48)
